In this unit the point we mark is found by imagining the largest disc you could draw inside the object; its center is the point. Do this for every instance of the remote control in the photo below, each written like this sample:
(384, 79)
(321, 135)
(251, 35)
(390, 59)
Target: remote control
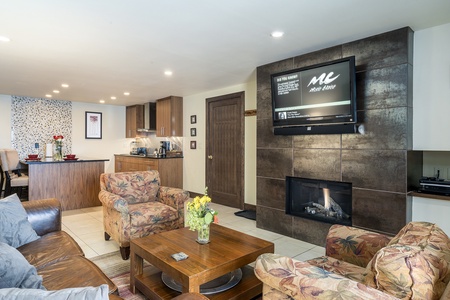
(180, 256)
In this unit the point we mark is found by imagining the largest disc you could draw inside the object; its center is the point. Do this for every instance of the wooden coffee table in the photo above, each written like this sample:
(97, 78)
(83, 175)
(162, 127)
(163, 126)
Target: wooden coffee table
(227, 251)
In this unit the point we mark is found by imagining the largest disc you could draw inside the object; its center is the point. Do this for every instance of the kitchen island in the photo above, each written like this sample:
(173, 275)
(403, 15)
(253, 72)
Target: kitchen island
(75, 183)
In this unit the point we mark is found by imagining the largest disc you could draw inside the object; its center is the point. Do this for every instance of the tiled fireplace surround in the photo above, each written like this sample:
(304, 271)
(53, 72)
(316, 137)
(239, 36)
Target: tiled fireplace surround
(379, 163)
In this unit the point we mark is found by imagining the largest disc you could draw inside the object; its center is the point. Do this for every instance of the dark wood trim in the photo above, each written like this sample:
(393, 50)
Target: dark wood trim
(249, 207)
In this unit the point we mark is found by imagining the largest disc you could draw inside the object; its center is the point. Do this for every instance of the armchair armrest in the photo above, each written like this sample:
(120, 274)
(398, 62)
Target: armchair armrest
(354, 245)
(300, 280)
(174, 197)
(44, 215)
(113, 201)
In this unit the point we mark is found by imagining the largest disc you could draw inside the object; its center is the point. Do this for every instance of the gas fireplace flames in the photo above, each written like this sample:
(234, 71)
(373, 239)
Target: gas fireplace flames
(329, 209)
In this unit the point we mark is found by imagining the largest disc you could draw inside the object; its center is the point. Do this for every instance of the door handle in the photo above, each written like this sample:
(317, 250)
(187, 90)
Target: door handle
(210, 157)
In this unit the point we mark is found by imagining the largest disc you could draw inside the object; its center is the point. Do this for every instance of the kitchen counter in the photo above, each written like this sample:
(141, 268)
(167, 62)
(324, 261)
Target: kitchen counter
(75, 183)
(152, 156)
(170, 168)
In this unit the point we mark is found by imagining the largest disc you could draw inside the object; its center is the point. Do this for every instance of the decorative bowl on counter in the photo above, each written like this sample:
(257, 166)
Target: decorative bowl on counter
(71, 156)
(32, 156)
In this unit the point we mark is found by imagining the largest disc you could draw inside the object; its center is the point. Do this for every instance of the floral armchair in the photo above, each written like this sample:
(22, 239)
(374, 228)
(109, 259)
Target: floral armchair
(360, 264)
(135, 205)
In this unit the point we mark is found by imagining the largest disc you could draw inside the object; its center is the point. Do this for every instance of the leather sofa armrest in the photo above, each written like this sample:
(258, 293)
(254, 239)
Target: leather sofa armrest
(44, 215)
(354, 245)
(300, 280)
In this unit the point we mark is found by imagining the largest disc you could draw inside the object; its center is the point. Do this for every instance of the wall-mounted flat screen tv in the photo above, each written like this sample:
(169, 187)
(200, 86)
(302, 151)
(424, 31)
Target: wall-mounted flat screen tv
(322, 94)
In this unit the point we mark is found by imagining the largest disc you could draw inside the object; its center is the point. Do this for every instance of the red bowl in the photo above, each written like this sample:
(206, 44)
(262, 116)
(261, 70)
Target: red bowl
(32, 156)
(70, 156)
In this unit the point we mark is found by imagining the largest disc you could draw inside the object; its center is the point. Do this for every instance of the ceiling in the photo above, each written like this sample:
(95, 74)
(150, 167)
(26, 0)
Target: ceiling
(103, 48)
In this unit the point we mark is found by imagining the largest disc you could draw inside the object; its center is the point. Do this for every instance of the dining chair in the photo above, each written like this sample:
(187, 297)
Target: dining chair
(15, 180)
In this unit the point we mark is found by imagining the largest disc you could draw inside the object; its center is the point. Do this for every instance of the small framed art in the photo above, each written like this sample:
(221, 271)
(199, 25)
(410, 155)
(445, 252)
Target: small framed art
(93, 125)
(193, 131)
(193, 119)
(193, 144)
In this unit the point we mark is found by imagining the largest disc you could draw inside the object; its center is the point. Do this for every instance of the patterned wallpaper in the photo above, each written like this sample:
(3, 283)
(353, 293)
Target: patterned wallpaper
(37, 120)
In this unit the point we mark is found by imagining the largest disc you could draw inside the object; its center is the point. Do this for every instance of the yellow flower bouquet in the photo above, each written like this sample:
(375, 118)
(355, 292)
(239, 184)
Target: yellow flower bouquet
(200, 216)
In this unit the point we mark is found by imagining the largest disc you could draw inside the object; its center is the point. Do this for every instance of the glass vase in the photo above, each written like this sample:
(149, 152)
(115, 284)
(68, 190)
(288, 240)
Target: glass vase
(203, 234)
(58, 156)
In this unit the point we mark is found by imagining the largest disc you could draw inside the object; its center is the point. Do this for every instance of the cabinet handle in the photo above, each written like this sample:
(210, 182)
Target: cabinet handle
(210, 157)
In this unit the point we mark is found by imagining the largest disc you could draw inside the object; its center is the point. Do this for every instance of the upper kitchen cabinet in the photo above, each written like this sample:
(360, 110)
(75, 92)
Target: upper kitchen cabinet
(135, 120)
(169, 116)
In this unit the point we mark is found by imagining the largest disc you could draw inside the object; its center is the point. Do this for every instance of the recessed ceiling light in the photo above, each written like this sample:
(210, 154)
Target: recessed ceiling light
(4, 39)
(102, 101)
(65, 85)
(168, 73)
(48, 96)
(126, 94)
(277, 34)
(113, 98)
(56, 91)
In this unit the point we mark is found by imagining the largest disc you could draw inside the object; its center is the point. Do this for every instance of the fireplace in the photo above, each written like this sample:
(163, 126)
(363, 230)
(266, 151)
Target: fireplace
(320, 200)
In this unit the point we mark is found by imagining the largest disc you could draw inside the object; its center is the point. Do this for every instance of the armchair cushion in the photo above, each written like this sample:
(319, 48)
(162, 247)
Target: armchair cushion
(16, 230)
(300, 280)
(142, 214)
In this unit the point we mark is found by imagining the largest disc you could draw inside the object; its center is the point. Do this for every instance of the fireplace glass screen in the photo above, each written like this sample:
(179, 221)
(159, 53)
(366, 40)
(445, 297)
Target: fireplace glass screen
(321, 200)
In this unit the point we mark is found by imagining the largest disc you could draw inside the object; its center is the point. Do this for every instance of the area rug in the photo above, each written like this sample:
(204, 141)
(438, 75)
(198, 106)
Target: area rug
(248, 214)
(118, 270)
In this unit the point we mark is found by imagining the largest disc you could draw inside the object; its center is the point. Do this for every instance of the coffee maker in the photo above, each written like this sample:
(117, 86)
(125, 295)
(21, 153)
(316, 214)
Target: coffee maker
(164, 147)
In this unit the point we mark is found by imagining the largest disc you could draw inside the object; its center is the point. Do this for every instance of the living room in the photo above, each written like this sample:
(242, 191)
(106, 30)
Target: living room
(427, 90)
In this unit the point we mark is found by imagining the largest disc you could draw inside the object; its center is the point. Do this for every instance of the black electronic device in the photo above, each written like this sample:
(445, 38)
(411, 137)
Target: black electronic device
(322, 94)
(434, 185)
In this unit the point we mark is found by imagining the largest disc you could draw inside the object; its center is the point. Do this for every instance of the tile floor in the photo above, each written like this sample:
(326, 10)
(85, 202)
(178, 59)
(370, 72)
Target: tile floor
(86, 227)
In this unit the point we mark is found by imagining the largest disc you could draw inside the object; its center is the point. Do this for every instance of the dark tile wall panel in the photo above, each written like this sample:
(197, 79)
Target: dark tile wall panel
(306, 163)
(273, 220)
(378, 210)
(274, 163)
(266, 138)
(309, 230)
(375, 169)
(271, 192)
(325, 141)
(377, 163)
(382, 50)
(384, 129)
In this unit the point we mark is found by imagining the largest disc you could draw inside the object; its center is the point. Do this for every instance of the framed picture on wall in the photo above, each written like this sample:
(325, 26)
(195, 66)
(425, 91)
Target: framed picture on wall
(193, 131)
(193, 119)
(93, 125)
(193, 144)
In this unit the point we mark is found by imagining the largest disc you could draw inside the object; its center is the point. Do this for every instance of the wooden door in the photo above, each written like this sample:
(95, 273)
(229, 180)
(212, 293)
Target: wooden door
(225, 149)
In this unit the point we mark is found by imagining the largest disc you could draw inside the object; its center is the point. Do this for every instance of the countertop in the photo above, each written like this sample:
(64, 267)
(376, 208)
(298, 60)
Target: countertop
(45, 161)
(149, 156)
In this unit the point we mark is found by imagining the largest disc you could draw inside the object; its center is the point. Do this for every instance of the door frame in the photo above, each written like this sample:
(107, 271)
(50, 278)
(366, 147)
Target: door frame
(241, 141)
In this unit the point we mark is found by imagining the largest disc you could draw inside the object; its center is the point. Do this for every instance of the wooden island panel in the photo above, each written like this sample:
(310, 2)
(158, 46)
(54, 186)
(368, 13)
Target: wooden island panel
(75, 184)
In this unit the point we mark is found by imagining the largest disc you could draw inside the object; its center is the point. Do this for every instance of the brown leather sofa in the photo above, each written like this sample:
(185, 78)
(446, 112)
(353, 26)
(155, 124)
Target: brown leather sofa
(56, 255)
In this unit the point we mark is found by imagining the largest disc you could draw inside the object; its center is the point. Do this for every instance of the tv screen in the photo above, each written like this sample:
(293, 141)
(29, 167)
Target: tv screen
(315, 95)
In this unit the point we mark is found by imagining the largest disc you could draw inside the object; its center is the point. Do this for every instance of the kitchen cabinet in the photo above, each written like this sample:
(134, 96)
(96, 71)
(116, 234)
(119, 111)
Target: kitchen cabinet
(134, 120)
(170, 169)
(169, 116)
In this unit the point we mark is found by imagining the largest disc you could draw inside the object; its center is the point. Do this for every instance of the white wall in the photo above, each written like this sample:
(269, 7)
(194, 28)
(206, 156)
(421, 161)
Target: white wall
(194, 160)
(113, 133)
(431, 89)
(113, 137)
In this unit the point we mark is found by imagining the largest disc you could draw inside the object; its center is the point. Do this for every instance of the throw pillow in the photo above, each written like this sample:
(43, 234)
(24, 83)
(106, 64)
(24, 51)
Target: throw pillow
(15, 229)
(16, 271)
(86, 293)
